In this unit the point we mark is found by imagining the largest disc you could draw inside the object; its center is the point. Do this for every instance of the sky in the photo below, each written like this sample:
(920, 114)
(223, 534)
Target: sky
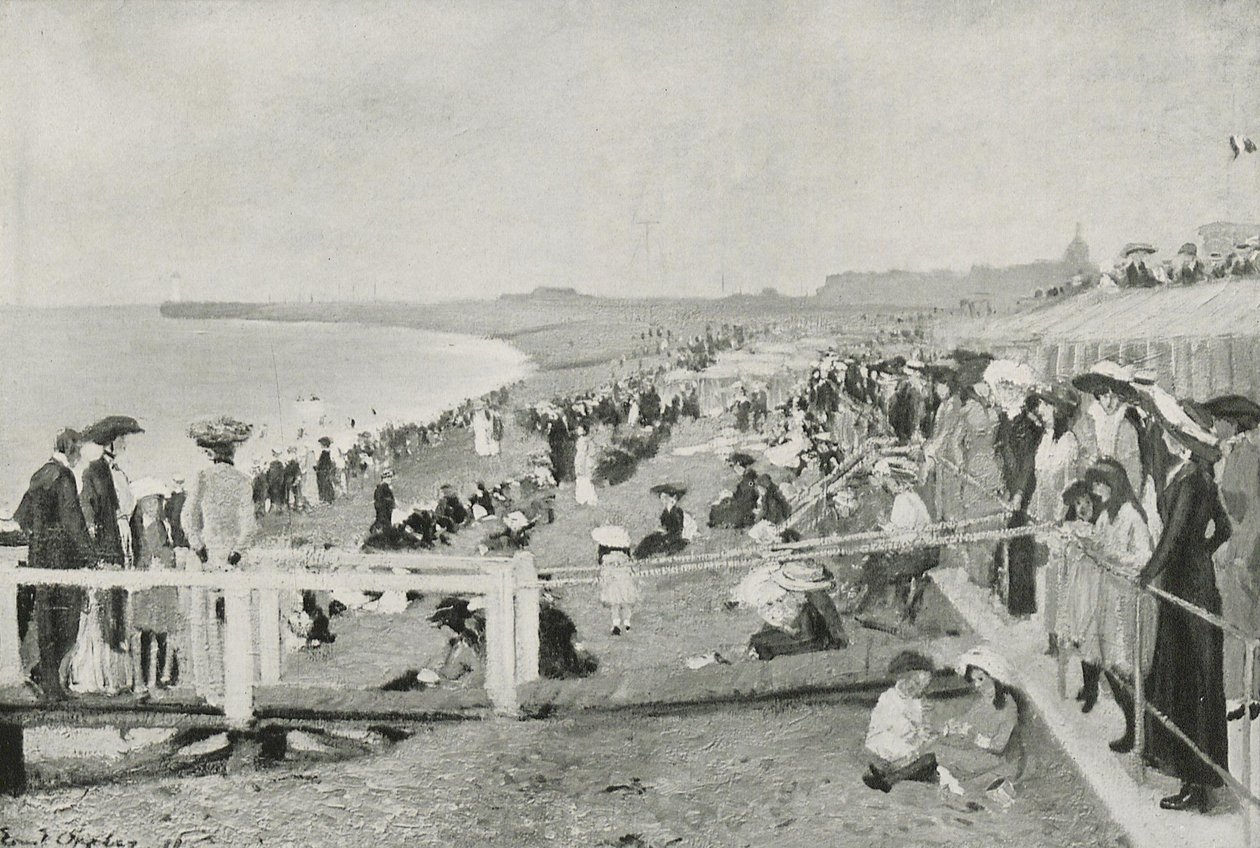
(433, 150)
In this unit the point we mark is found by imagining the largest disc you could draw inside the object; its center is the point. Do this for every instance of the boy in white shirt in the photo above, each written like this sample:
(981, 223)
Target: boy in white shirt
(899, 732)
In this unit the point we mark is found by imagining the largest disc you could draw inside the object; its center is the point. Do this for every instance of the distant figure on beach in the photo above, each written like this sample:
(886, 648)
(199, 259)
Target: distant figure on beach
(277, 497)
(383, 502)
(487, 429)
(325, 471)
(584, 469)
(52, 518)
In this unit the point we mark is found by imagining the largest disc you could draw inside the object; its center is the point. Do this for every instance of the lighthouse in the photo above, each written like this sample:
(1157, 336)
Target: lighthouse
(175, 287)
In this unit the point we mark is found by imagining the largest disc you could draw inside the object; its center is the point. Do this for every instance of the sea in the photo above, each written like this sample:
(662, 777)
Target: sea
(68, 367)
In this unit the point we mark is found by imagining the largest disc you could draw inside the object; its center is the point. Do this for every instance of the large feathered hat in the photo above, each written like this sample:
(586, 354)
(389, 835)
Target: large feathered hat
(219, 432)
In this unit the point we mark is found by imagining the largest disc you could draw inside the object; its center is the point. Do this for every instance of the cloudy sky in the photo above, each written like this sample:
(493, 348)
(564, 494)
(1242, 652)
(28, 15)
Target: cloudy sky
(432, 150)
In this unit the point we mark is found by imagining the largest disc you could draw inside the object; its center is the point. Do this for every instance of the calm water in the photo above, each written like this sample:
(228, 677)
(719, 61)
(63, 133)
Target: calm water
(68, 367)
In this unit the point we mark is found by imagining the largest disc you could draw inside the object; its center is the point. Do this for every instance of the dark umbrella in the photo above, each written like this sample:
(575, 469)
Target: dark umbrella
(110, 428)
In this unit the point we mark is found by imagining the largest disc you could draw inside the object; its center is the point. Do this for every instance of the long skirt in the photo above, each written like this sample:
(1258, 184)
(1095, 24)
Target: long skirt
(1021, 574)
(584, 492)
(1185, 685)
(99, 665)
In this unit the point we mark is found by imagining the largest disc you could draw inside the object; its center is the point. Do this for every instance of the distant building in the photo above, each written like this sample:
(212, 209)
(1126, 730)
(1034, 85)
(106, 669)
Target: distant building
(1222, 236)
(983, 283)
(176, 288)
(548, 294)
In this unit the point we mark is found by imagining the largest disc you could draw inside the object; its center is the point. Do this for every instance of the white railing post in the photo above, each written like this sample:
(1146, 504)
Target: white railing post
(238, 659)
(525, 574)
(500, 636)
(10, 643)
(269, 635)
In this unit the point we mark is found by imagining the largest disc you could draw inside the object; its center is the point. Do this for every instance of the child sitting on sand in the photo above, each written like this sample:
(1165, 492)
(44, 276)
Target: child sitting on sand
(899, 732)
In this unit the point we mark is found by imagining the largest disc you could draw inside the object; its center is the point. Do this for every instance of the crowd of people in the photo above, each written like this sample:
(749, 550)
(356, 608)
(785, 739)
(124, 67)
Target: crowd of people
(1147, 490)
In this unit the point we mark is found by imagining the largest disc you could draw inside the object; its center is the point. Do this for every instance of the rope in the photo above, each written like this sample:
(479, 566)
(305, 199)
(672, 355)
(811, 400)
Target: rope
(882, 544)
(985, 489)
(1239, 790)
(749, 553)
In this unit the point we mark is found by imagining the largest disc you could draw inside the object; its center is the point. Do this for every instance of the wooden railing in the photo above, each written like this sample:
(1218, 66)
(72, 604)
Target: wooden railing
(509, 586)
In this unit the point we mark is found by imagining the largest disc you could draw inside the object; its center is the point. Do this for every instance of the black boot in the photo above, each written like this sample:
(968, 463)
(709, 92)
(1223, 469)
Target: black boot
(1124, 699)
(1090, 675)
(1193, 796)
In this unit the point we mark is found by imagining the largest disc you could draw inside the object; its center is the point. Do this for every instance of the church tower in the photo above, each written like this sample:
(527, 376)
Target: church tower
(1077, 253)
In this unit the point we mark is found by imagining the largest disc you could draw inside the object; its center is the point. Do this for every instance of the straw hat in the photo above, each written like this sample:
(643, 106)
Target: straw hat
(1138, 247)
(611, 536)
(802, 577)
(671, 489)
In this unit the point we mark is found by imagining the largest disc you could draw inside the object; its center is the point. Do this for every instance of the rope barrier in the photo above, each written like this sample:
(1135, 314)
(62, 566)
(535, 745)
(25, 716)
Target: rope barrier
(749, 553)
(985, 489)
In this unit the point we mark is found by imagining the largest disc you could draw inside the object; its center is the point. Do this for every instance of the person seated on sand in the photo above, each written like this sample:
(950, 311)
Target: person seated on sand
(482, 498)
(900, 733)
(512, 535)
(800, 616)
(980, 750)
(560, 654)
(464, 622)
(451, 513)
(772, 506)
(738, 509)
(672, 537)
(902, 572)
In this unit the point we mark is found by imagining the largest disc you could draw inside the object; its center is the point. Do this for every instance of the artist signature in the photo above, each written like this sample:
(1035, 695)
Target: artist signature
(75, 838)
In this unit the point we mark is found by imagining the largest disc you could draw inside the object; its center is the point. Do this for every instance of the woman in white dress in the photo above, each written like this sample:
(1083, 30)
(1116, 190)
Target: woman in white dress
(1076, 618)
(1124, 544)
(584, 469)
(1055, 468)
(219, 520)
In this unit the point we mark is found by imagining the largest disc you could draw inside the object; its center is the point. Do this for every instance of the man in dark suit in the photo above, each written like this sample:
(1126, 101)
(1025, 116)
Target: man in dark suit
(174, 513)
(52, 518)
(101, 511)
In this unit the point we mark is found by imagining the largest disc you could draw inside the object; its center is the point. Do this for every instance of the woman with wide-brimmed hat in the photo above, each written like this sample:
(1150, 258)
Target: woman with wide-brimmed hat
(1185, 682)
(1055, 464)
(101, 663)
(800, 616)
(1238, 561)
(1106, 429)
(325, 471)
(219, 520)
(672, 538)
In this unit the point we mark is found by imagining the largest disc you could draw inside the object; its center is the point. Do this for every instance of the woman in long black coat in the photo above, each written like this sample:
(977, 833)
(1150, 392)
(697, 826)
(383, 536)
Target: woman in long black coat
(1185, 681)
(1016, 444)
(324, 470)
